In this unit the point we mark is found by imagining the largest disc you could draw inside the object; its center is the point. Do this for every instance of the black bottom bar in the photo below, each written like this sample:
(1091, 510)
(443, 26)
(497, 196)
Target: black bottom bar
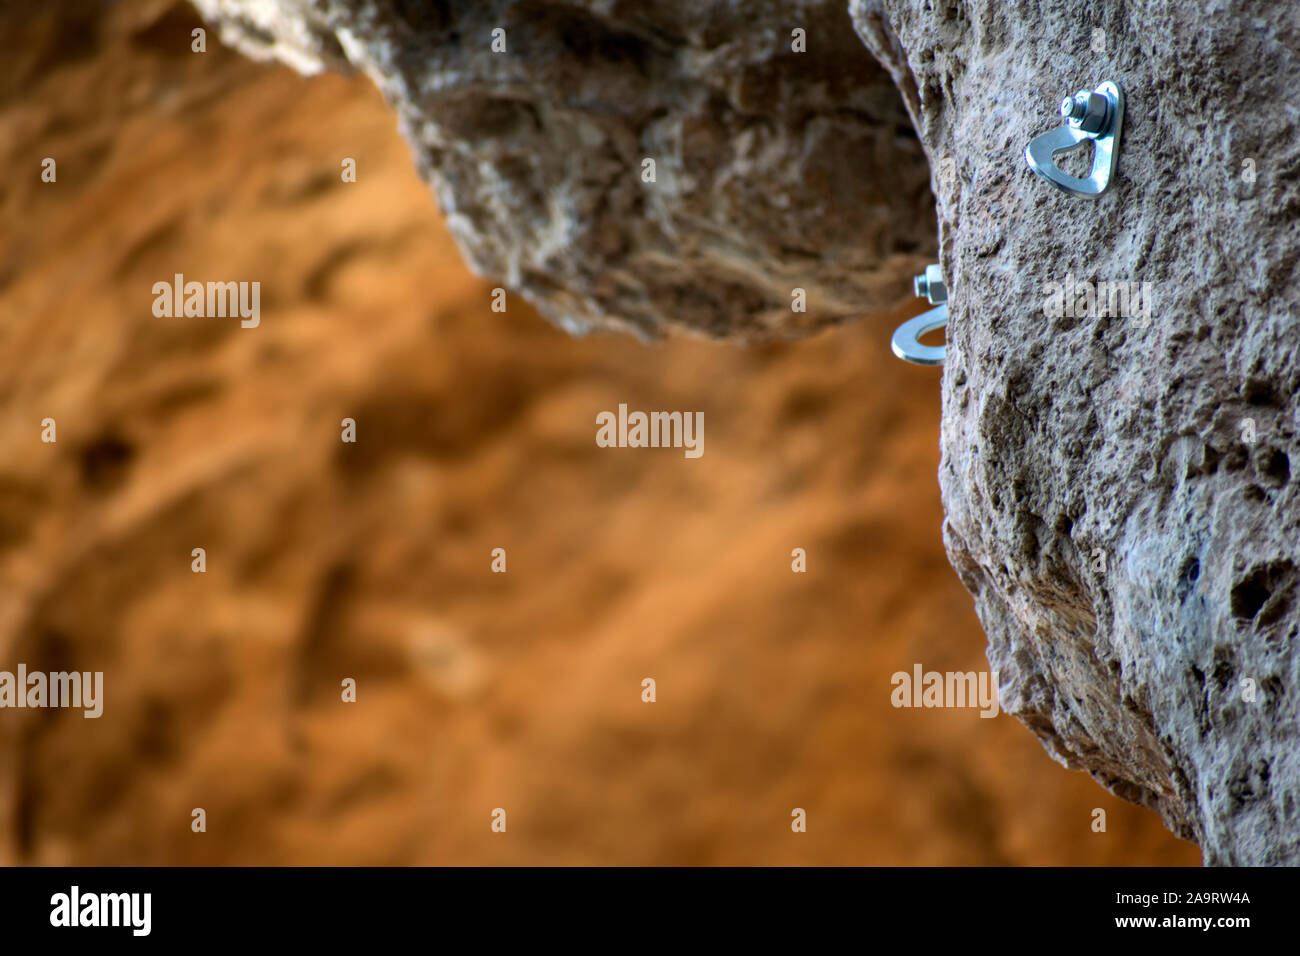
(333, 906)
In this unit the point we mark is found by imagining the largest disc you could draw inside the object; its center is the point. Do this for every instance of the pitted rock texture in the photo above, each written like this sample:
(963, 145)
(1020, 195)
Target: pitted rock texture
(774, 170)
(1120, 495)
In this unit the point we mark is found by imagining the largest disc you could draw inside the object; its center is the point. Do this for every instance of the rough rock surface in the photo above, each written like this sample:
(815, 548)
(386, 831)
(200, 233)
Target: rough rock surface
(774, 170)
(1120, 499)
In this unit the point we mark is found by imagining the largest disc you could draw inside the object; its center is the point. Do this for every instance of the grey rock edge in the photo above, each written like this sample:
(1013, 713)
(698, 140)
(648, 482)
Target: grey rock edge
(1119, 493)
(536, 154)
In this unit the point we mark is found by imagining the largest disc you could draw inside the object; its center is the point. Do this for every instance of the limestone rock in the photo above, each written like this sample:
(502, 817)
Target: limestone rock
(1119, 493)
(774, 170)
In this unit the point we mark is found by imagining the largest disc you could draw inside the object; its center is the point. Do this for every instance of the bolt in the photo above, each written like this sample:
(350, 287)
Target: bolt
(1087, 110)
(921, 285)
(1072, 108)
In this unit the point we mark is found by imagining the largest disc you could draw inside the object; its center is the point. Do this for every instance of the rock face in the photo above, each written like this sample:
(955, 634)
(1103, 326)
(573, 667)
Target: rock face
(773, 170)
(1119, 492)
(1117, 478)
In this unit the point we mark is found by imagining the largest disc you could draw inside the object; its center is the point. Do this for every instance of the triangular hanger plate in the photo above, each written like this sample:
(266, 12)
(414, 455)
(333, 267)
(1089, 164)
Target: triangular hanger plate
(1041, 150)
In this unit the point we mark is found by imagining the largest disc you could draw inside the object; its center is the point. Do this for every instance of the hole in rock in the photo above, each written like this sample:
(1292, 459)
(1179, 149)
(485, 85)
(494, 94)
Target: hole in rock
(1264, 595)
(104, 462)
(1274, 467)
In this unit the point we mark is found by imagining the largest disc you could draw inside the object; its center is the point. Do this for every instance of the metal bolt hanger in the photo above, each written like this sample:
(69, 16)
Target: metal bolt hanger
(907, 337)
(1096, 115)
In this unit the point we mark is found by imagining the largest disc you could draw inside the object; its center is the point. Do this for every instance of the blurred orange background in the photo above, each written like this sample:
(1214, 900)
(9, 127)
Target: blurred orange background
(475, 431)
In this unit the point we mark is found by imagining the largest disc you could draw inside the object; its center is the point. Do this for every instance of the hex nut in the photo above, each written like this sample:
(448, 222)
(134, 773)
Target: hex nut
(1095, 114)
(930, 285)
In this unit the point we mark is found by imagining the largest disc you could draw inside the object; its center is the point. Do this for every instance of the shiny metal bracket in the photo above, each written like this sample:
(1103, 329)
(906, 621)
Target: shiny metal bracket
(906, 342)
(1096, 115)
